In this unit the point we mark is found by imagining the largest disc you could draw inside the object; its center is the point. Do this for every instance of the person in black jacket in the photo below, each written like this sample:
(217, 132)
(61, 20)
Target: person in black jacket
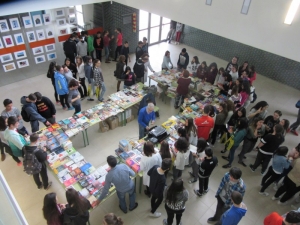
(70, 49)
(41, 156)
(50, 74)
(139, 70)
(45, 107)
(129, 78)
(98, 45)
(125, 52)
(120, 68)
(157, 185)
(207, 165)
(183, 59)
(138, 51)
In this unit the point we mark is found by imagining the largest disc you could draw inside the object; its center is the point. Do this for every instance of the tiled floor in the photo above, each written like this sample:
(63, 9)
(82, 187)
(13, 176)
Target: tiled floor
(198, 210)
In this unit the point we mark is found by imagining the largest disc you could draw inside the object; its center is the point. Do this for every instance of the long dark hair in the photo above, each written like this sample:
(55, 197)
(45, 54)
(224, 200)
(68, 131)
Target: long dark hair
(224, 106)
(246, 87)
(2, 123)
(196, 59)
(190, 127)
(260, 104)
(201, 145)
(182, 132)
(282, 151)
(52, 67)
(278, 130)
(242, 124)
(164, 150)
(175, 188)
(75, 201)
(50, 210)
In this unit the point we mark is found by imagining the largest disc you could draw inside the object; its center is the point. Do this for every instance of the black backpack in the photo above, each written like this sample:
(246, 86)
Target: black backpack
(31, 163)
(24, 113)
(254, 96)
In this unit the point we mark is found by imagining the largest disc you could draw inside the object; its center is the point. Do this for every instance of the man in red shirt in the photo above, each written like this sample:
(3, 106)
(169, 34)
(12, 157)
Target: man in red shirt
(204, 124)
(119, 42)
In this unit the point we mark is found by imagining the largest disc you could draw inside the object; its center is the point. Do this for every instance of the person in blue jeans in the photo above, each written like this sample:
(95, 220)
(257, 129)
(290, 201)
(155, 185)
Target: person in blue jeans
(146, 115)
(98, 77)
(74, 96)
(120, 175)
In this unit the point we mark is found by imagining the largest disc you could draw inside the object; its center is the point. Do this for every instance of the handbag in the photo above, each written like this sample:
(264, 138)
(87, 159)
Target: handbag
(229, 143)
(298, 104)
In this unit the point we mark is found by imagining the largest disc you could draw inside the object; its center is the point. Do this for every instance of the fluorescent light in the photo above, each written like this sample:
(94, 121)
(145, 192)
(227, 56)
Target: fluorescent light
(208, 2)
(292, 11)
(245, 7)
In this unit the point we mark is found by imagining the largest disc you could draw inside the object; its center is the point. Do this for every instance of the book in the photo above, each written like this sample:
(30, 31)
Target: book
(71, 151)
(84, 193)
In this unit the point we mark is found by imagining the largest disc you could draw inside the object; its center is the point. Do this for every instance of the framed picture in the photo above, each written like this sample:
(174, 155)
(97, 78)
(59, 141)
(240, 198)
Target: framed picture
(59, 12)
(6, 58)
(1, 44)
(8, 41)
(31, 36)
(49, 33)
(19, 39)
(40, 59)
(27, 21)
(61, 22)
(37, 20)
(22, 63)
(47, 19)
(51, 56)
(72, 20)
(38, 50)
(71, 11)
(8, 67)
(73, 29)
(4, 26)
(20, 54)
(14, 23)
(63, 31)
(50, 47)
(40, 34)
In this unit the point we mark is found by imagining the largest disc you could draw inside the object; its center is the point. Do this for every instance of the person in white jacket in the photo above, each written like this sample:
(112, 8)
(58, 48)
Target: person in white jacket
(167, 64)
(145, 58)
(181, 153)
(149, 159)
(81, 74)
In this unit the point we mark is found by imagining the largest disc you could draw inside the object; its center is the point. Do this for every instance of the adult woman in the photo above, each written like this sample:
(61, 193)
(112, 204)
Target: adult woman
(52, 210)
(202, 71)
(252, 74)
(167, 64)
(120, 68)
(112, 219)
(220, 78)
(176, 196)
(245, 92)
(256, 130)
(145, 58)
(71, 66)
(182, 88)
(211, 73)
(244, 67)
(149, 159)
(81, 74)
(194, 65)
(219, 123)
(77, 210)
(260, 109)
(106, 40)
(50, 74)
(99, 81)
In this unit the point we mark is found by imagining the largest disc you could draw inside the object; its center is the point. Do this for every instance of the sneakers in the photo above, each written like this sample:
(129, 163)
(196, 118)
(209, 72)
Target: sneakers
(264, 193)
(212, 220)
(223, 151)
(65, 108)
(275, 187)
(282, 203)
(40, 187)
(225, 157)
(197, 193)
(275, 198)
(156, 214)
(205, 191)
(242, 163)
(226, 166)
(49, 185)
(192, 181)
(71, 108)
(136, 205)
(148, 194)
(251, 168)
(124, 211)
(262, 173)
(294, 132)
(19, 164)
(3, 156)
(82, 99)
(57, 102)
(165, 222)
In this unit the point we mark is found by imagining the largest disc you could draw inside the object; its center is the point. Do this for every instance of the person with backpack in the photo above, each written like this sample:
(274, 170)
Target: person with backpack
(35, 162)
(30, 114)
(45, 107)
(139, 70)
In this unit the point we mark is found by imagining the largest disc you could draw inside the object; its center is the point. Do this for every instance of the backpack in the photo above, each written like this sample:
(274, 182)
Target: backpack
(31, 163)
(24, 113)
(254, 96)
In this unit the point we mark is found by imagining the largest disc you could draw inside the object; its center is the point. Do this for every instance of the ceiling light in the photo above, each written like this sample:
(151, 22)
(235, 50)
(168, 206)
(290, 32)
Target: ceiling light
(292, 12)
(208, 2)
(245, 7)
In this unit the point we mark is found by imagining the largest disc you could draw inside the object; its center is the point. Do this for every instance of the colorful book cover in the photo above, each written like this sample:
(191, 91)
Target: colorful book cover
(71, 151)
(69, 182)
(66, 121)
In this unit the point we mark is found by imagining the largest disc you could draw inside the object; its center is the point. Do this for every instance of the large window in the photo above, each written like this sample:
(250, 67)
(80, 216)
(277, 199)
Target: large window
(154, 27)
(79, 15)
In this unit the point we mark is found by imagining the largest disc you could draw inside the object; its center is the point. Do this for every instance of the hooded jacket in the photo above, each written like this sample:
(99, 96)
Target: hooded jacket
(71, 214)
(70, 47)
(61, 84)
(234, 215)
(45, 107)
(139, 68)
(31, 111)
(183, 60)
(16, 141)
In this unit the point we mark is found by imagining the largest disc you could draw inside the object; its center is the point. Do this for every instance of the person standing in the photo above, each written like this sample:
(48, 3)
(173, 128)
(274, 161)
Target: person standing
(295, 125)
(145, 58)
(52, 210)
(81, 75)
(45, 107)
(204, 124)
(181, 154)
(10, 110)
(271, 121)
(72, 67)
(145, 119)
(81, 48)
(232, 63)
(74, 96)
(291, 218)
(145, 45)
(69, 47)
(98, 45)
(106, 41)
(50, 74)
(31, 110)
(41, 155)
(120, 175)
(232, 181)
(129, 78)
(183, 59)
(99, 81)
(125, 52)
(120, 69)
(139, 70)
(90, 44)
(182, 88)
(170, 34)
(138, 51)
(157, 185)
(88, 71)
(179, 28)
(119, 42)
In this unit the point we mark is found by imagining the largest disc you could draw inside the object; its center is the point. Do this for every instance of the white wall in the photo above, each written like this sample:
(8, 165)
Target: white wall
(88, 14)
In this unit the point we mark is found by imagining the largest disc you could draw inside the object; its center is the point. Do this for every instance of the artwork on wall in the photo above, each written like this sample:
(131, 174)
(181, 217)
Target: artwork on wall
(72, 20)
(51, 56)
(47, 19)
(40, 59)
(50, 47)
(8, 41)
(1, 44)
(63, 31)
(27, 21)
(61, 22)
(14, 23)
(31, 36)
(73, 29)
(19, 39)
(40, 34)
(71, 11)
(38, 50)
(6, 58)
(37, 20)
(59, 12)
(20, 54)
(3, 26)
(49, 33)
(8, 67)
(22, 63)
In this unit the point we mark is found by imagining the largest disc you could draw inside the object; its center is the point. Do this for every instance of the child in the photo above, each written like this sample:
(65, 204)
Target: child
(129, 78)
(194, 65)
(180, 152)
(157, 184)
(165, 153)
(234, 215)
(74, 96)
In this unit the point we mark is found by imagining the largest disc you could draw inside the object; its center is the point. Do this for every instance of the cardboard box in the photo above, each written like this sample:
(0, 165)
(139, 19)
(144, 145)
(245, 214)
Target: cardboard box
(103, 126)
(112, 122)
(131, 118)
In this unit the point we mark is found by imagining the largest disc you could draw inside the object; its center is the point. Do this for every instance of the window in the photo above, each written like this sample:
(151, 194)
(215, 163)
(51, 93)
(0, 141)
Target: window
(79, 15)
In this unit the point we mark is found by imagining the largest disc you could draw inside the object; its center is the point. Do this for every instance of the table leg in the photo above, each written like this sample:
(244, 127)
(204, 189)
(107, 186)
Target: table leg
(83, 138)
(140, 187)
(87, 138)
(149, 81)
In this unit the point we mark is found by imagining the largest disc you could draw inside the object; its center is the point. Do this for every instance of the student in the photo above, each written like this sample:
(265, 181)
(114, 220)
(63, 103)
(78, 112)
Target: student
(238, 114)
(285, 124)
(88, 71)
(90, 43)
(157, 185)
(181, 154)
(3, 142)
(181, 131)
(165, 153)
(99, 81)
(179, 27)
(225, 89)
(211, 73)
(112, 219)
(236, 212)
(62, 88)
(120, 69)
(129, 78)
(260, 109)
(69, 47)
(176, 197)
(45, 107)
(81, 75)
(183, 60)
(271, 121)
(219, 123)
(149, 159)
(252, 74)
(170, 34)
(232, 63)
(98, 45)
(139, 70)
(235, 96)
(234, 74)
(74, 96)
(182, 88)
(145, 58)
(279, 163)
(125, 52)
(106, 41)
(232, 181)
(52, 210)
(295, 125)
(206, 165)
(220, 78)
(167, 64)
(244, 67)
(194, 65)
(204, 124)
(245, 92)
(191, 131)
(202, 71)
(82, 48)
(291, 218)
(50, 74)
(72, 67)
(145, 45)
(138, 51)
(31, 110)
(10, 110)
(119, 42)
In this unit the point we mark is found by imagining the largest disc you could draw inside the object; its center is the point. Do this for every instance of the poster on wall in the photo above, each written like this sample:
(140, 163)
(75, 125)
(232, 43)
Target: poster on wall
(8, 41)
(61, 22)
(50, 47)
(63, 31)
(37, 20)
(40, 34)
(31, 36)
(47, 19)
(22, 63)
(1, 44)
(14, 23)
(73, 29)
(27, 21)
(4, 26)
(9, 67)
(20, 54)
(71, 11)
(59, 12)
(19, 39)
(72, 20)
(6, 58)
(49, 33)
(51, 56)
(38, 50)
(40, 59)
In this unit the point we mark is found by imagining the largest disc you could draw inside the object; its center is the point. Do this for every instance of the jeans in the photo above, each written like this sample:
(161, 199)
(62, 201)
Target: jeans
(203, 184)
(55, 93)
(231, 153)
(155, 202)
(215, 133)
(176, 173)
(122, 202)
(82, 82)
(8, 151)
(248, 145)
(22, 131)
(220, 208)
(195, 169)
(51, 120)
(295, 125)
(64, 100)
(106, 49)
(34, 125)
(289, 188)
(118, 51)
(43, 173)
(262, 159)
(77, 108)
(171, 213)
(268, 179)
(99, 54)
(142, 131)
(71, 56)
(103, 89)
(179, 100)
